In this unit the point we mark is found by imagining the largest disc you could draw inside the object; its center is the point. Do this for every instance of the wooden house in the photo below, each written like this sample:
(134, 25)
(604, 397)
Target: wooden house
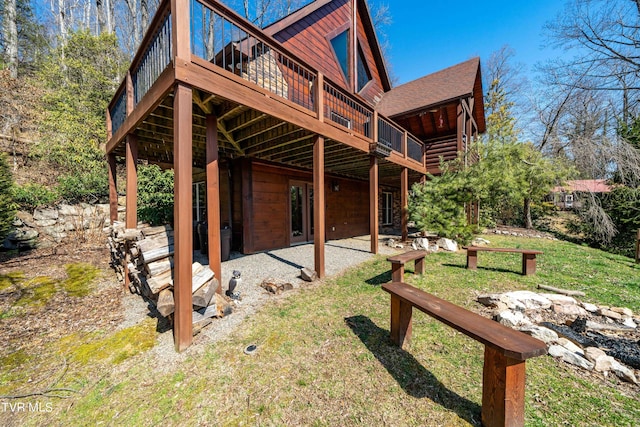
(286, 134)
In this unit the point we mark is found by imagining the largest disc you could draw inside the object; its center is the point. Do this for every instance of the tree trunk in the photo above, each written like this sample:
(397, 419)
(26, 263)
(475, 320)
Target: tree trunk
(133, 13)
(528, 223)
(11, 37)
(102, 10)
(144, 16)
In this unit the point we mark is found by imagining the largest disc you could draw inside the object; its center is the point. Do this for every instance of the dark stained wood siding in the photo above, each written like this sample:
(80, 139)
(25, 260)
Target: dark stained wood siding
(347, 210)
(446, 148)
(372, 92)
(307, 38)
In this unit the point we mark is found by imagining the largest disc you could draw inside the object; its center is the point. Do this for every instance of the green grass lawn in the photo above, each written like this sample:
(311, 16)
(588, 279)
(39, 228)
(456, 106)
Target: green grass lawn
(324, 356)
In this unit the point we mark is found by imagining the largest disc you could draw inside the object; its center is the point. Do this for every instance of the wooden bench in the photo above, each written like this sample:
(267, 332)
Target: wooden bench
(505, 349)
(528, 257)
(398, 261)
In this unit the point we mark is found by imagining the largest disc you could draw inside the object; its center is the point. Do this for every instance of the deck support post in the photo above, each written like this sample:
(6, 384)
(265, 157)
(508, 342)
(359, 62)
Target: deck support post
(213, 198)
(404, 209)
(373, 203)
(318, 205)
(503, 381)
(183, 216)
(131, 214)
(113, 189)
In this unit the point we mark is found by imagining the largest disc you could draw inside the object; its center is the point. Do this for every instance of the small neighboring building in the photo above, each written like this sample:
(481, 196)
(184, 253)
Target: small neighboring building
(568, 196)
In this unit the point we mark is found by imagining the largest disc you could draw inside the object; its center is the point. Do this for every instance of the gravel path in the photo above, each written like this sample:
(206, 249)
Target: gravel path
(284, 264)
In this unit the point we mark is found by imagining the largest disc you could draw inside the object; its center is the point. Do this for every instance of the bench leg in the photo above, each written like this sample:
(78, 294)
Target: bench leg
(528, 264)
(472, 260)
(401, 312)
(502, 390)
(397, 272)
(419, 269)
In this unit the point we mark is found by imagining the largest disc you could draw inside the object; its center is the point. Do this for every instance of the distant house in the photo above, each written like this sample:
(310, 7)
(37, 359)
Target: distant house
(568, 196)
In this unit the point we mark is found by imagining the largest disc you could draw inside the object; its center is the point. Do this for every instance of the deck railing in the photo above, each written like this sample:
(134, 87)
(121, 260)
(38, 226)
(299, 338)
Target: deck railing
(228, 43)
(341, 108)
(223, 38)
(390, 135)
(414, 149)
(118, 109)
(154, 60)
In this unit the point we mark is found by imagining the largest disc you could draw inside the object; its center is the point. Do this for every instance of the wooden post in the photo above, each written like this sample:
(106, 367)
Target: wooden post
(132, 181)
(183, 216)
(405, 143)
(131, 213)
(404, 193)
(113, 189)
(528, 264)
(638, 247)
(181, 33)
(318, 95)
(213, 199)
(373, 203)
(472, 259)
(459, 125)
(503, 381)
(401, 328)
(318, 205)
(129, 98)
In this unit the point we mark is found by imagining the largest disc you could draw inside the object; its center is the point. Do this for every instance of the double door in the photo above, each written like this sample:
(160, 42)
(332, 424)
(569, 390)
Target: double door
(301, 211)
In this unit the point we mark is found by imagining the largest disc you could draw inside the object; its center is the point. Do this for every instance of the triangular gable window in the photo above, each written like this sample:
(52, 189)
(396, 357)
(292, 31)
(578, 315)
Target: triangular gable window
(364, 75)
(340, 44)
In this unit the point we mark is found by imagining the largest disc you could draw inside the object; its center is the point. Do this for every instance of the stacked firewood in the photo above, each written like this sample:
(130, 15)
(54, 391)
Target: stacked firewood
(147, 252)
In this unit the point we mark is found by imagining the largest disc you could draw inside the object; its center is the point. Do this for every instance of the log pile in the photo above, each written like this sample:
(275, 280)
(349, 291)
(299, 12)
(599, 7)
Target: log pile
(146, 254)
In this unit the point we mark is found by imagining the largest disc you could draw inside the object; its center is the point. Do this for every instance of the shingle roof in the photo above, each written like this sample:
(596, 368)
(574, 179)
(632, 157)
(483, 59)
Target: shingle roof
(444, 85)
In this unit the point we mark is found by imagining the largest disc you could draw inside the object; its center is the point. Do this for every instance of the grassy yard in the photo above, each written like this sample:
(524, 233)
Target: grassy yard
(324, 357)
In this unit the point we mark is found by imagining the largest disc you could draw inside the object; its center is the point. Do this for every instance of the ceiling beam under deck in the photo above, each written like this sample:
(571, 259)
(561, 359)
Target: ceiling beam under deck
(329, 155)
(265, 138)
(246, 119)
(264, 126)
(302, 136)
(293, 154)
(229, 137)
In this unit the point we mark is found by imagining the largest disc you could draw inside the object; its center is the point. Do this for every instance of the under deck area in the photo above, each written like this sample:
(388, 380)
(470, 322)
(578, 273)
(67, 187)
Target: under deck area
(209, 92)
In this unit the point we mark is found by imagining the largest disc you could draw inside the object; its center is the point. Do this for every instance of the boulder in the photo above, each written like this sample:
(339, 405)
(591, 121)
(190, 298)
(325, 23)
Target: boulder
(622, 310)
(492, 300)
(530, 300)
(560, 299)
(540, 332)
(447, 245)
(602, 362)
(569, 345)
(512, 319)
(46, 222)
(69, 210)
(45, 213)
(609, 313)
(623, 372)
(569, 310)
(628, 321)
(24, 235)
(570, 357)
(479, 241)
(420, 244)
(591, 308)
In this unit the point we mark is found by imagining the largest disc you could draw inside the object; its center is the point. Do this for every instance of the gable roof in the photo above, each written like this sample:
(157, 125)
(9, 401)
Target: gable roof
(298, 15)
(440, 87)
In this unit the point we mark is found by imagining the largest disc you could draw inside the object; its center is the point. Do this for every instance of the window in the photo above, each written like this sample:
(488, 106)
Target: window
(199, 201)
(364, 75)
(340, 44)
(387, 208)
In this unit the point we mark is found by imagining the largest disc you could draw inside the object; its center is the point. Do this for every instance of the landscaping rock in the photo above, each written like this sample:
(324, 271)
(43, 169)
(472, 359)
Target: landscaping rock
(447, 245)
(609, 313)
(569, 345)
(591, 308)
(46, 222)
(24, 235)
(513, 319)
(623, 372)
(602, 362)
(530, 300)
(628, 321)
(540, 332)
(479, 241)
(44, 214)
(569, 310)
(570, 357)
(622, 310)
(493, 300)
(308, 275)
(69, 210)
(420, 244)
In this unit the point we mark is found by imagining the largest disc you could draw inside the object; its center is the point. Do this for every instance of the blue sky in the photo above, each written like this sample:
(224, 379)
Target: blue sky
(428, 35)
